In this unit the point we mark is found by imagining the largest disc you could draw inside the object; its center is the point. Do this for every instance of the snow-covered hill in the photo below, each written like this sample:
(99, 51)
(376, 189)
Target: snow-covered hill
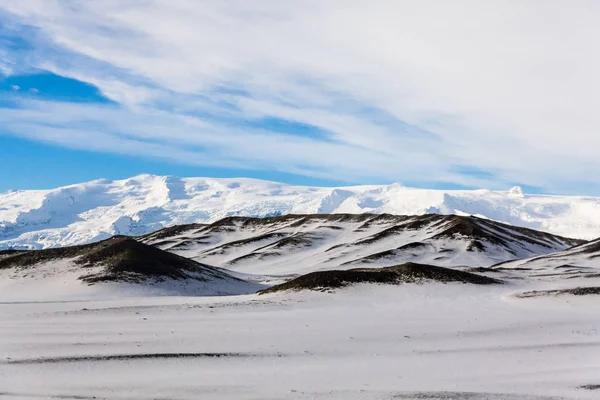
(119, 266)
(299, 244)
(581, 261)
(96, 210)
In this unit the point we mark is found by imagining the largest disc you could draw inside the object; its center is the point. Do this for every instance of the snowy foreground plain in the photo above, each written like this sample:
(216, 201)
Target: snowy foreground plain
(430, 341)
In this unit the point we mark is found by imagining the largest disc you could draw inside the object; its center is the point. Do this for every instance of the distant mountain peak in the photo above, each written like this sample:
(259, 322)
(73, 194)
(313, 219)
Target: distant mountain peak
(516, 191)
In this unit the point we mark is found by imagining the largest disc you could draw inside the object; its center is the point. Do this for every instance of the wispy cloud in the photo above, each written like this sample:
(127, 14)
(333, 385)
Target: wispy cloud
(410, 91)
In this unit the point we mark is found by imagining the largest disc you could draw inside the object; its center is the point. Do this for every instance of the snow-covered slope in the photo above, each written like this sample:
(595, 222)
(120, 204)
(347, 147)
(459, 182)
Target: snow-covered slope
(579, 261)
(99, 209)
(298, 244)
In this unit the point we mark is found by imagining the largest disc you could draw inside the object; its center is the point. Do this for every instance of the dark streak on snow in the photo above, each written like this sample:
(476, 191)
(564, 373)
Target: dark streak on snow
(589, 387)
(578, 291)
(125, 357)
(49, 396)
(469, 396)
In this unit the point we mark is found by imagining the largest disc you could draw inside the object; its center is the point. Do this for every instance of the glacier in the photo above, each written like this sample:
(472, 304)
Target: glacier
(99, 209)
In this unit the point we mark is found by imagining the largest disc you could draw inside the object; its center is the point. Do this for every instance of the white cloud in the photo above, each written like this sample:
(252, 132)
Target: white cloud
(407, 90)
(171, 136)
(5, 68)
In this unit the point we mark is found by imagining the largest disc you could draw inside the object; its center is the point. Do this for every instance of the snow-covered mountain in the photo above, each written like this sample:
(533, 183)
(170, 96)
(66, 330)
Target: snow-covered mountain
(299, 244)
(96, 210)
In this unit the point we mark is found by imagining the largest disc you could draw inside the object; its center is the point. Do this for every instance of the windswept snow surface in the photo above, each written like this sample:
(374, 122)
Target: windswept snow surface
(99, 209)
(430, 341)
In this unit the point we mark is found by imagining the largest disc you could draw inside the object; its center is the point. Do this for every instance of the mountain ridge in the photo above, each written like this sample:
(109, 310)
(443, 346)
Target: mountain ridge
(300, 243)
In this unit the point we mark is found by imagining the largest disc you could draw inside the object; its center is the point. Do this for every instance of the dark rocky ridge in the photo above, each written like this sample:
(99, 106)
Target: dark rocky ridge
(173, 231)
(122, 259)
(455, 224)
(405, 273)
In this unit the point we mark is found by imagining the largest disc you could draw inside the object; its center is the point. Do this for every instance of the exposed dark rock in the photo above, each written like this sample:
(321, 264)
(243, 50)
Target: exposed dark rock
(172, 231)
(405, 273)
(122, 259)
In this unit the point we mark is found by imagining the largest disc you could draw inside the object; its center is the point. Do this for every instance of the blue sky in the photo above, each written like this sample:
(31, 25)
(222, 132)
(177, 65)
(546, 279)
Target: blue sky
(34, 164)
(464, 98)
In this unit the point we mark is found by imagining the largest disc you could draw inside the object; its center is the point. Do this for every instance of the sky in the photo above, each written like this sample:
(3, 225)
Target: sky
(433, 94)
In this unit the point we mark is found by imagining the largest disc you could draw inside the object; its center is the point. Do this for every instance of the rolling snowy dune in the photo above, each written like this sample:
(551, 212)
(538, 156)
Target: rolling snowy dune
(96, 210)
